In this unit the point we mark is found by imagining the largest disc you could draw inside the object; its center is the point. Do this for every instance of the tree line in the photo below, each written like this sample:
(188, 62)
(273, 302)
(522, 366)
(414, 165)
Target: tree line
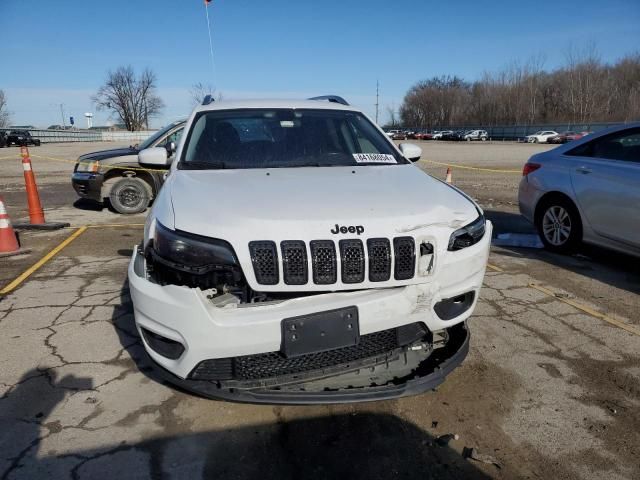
(583, 90)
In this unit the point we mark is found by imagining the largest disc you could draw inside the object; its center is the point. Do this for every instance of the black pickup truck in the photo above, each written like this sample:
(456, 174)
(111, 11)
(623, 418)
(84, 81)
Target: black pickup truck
(21, 137)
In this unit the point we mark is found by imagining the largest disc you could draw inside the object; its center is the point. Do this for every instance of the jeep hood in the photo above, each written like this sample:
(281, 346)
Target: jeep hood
(307, 203)
(104, 154)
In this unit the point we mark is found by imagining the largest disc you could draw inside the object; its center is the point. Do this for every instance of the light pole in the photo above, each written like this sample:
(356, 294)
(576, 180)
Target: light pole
(64, 125)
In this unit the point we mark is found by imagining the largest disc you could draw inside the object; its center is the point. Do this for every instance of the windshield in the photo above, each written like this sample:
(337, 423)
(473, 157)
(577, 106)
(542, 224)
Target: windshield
(156, 136)
(280, 138)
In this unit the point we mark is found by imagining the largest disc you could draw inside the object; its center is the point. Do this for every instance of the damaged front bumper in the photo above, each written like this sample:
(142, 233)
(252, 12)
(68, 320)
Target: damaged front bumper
(409, 337)
(426, 375)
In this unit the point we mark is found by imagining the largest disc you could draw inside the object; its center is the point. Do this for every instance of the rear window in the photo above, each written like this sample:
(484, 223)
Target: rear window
(285, 138)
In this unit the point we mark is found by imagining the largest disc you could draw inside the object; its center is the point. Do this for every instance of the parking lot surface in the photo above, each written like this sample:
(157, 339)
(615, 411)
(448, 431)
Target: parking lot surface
(551, 387)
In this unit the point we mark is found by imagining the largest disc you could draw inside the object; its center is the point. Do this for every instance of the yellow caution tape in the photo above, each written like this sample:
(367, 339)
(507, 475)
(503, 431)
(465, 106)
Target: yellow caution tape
(102, 166)
(465, 167)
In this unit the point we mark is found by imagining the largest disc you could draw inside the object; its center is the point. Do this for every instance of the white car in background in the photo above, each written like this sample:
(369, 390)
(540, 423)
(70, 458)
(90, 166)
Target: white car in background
(438, 134)
(541, 137)
(297, 255)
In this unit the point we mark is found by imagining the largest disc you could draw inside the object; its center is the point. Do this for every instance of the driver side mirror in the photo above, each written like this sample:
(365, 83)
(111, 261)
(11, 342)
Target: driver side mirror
(411, 151)
(171, 148)
(154, 157)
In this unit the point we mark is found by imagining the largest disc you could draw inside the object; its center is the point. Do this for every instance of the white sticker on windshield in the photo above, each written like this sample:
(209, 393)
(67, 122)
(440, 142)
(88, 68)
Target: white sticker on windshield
(374, 158)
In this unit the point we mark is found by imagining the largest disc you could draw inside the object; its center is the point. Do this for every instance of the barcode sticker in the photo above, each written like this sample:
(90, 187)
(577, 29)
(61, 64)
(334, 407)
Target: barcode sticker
(374, 158)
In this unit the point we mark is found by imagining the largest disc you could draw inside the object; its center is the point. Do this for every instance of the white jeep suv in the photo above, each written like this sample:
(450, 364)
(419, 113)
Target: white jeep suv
(296, 255)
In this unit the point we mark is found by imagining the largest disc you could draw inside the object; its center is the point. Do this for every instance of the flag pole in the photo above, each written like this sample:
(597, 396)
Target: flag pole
(213, 65)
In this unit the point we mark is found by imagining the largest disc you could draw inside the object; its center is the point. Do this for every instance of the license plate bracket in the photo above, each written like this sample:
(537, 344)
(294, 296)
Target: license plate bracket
(319, 332)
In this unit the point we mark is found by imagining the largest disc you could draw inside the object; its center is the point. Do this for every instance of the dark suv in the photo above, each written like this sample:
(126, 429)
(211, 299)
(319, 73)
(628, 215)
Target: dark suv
(3, 139)
(115, 175)
(21, 137)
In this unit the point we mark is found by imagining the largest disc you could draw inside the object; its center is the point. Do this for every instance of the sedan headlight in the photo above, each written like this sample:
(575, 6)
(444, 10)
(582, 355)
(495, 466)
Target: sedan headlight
(191, 252)
(88, 166)
(468, 235)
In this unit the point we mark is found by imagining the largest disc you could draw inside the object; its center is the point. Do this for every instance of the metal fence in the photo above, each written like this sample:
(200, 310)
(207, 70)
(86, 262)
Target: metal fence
(59, 136)
(518, 132)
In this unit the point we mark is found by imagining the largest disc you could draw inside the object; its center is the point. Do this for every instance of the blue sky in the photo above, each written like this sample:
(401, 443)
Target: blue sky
(283, 48)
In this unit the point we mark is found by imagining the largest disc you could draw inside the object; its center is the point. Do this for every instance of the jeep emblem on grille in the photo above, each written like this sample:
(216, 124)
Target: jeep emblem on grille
(359, 229)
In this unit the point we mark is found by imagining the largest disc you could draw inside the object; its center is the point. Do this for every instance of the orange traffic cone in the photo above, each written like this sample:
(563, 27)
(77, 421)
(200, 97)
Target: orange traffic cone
(448, 179)
(36, 214)
(8, 240)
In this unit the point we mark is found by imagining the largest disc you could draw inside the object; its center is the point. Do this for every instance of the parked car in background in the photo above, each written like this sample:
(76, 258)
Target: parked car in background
(21, 138)
(3, 139)
(541, 137)
(565, 137)
(480, 135)
(586, 191)
(116, 176)
(424, 135)
(410, 134)
(440, 133)
(397, 135)
(452, 136)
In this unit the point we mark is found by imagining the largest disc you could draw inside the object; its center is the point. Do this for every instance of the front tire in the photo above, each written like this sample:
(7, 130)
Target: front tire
(559, 225)
(130, 195)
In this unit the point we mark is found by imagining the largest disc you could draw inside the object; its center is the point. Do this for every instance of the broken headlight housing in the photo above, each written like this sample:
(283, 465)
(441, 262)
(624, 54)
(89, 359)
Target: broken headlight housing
(468, 235)
(192, 253)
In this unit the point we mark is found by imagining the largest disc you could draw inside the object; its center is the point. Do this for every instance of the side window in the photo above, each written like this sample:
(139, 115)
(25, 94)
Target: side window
(624, 145)
(174, 137)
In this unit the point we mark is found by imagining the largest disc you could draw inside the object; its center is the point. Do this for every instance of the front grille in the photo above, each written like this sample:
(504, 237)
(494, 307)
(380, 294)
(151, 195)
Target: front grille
(379, 259)
(324, 261)
(404, 251)
(294, 262)
(275, 364)
(264, 257)
(323, 258)
(352, 256)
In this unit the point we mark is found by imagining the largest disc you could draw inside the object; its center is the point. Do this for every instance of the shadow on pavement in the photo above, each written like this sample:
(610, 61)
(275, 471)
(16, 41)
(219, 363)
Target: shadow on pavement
(356, 446)
(90, 205)
(613, 268)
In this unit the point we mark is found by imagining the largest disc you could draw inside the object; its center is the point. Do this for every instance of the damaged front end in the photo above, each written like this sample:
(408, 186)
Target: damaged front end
(322, 357)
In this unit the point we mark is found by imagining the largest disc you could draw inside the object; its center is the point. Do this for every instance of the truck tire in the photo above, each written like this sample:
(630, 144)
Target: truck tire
(130, 195)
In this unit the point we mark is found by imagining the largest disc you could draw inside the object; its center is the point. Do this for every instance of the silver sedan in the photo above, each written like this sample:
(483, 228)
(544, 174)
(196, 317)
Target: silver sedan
(587, 190)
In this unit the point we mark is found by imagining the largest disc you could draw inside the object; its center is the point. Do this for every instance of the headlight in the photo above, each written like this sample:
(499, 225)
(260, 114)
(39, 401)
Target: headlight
(192, 252)
(88, 166)
(468, 235)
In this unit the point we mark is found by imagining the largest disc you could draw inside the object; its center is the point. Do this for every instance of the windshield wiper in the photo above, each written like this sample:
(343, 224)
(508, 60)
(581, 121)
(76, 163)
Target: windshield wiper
(201, 166)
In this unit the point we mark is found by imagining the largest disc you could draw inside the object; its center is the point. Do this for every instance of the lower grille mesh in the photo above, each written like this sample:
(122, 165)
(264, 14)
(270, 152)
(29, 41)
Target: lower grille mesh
(275, 364)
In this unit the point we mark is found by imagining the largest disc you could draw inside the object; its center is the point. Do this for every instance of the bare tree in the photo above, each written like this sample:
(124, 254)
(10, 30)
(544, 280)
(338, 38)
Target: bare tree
(5, 116)
(199, 90)
(133, 99)
(583, 91)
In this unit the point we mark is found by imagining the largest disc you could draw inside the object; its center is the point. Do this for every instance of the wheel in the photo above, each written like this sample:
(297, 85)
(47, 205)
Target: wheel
(535, 140)
(559, 225)
(37, 143)
(484, 139)
(468, 139)
(130, 195)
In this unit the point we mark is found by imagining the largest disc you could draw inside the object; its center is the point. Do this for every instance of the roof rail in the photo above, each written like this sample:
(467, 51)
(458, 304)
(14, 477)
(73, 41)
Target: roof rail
(208, 99)
(331, 98)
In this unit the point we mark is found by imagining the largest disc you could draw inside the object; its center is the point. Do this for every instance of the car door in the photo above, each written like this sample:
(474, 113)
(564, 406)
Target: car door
(605, 174)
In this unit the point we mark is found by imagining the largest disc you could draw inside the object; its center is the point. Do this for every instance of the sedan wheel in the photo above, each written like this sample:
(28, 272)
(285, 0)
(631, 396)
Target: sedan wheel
(558, 224)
